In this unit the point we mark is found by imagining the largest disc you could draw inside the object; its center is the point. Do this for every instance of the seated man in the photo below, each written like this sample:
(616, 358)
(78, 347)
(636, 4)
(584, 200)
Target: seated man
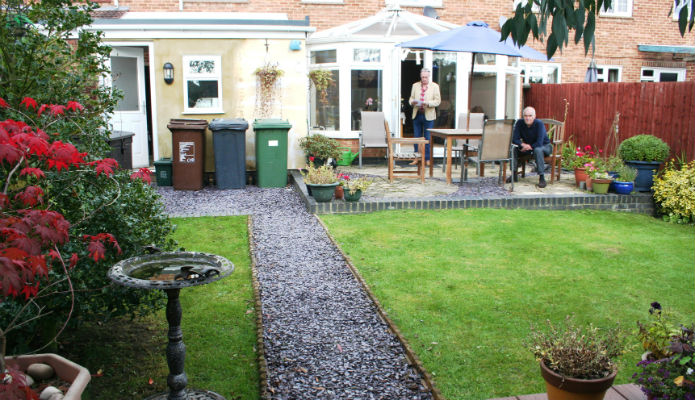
(531, 138)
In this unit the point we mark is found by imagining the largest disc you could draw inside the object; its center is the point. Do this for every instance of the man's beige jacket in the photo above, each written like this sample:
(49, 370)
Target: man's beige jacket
(432, 99)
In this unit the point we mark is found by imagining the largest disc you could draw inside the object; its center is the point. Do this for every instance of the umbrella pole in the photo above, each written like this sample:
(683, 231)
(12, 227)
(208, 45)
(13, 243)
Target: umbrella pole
(470, 91)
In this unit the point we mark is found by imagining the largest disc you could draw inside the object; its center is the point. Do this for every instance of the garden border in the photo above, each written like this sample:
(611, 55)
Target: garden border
(642, 203)
(262, 364)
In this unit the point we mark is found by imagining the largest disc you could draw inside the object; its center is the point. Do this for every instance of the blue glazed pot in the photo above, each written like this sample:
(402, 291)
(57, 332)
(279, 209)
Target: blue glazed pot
(645, 174)
(623, 187)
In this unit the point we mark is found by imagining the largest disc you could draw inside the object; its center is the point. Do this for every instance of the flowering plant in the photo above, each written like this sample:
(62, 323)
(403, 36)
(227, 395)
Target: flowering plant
(582, 156)
(323, 175)
(576, 352)
(33, 234)
(353, 185)
(655, 334)
(596, 169)
(672, 377)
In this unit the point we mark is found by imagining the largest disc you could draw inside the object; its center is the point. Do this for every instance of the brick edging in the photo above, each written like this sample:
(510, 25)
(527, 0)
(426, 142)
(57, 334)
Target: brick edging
(260, 348)
(640, 203)
(410, 354)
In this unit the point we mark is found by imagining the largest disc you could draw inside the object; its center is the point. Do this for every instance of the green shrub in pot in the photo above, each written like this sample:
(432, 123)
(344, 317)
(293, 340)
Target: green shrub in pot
(644, 148)
(626, 173)
(320, 146)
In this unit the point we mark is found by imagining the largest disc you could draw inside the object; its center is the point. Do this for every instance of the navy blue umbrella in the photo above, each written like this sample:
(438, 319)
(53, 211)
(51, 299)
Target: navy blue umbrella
(475, 37)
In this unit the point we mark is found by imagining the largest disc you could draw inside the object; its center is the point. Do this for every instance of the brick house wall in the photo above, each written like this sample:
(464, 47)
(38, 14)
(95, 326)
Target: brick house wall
(616, 37)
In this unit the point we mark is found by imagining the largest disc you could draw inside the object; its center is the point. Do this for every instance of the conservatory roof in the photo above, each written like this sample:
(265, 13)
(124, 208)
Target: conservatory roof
(391, 24)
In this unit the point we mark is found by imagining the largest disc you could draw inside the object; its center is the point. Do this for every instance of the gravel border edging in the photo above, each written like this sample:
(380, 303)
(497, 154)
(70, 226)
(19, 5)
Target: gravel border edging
(410, 354)
(260, 348)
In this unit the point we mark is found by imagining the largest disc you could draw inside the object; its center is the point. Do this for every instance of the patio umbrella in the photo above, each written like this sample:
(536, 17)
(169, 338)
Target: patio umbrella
(475, 37)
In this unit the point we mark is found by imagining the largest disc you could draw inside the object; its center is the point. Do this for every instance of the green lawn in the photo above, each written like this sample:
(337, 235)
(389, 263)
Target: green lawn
(465, 285)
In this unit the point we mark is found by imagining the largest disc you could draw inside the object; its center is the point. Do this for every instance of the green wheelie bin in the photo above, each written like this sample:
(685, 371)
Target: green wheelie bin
(271, 152)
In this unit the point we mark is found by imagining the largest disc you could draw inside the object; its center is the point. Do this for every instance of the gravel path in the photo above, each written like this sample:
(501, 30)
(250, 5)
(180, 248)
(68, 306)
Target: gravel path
(323, 337)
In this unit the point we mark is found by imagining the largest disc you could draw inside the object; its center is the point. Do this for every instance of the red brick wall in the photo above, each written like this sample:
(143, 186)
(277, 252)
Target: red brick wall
(616, 38)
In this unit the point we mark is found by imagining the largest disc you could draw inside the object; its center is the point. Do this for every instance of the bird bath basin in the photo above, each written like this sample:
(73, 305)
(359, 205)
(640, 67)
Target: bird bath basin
(171, 272)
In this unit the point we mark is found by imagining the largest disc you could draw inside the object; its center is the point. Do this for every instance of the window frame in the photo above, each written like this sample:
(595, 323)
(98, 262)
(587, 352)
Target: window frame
(546, 70)
(418, 3)
(611, 13)
(606, 74)
(680, 71)
(188, 76)
(677, 5)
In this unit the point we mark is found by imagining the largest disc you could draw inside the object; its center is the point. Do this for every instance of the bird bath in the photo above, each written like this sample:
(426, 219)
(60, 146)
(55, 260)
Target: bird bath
(171, 272)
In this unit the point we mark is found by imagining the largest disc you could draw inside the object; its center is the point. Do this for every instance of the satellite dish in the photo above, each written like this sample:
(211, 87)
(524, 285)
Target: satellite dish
(429, 11)
(503, 19)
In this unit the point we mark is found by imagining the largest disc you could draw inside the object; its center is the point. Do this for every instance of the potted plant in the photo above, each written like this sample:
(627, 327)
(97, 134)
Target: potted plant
(267, 78)
(577, 160)
(624, 183)
(600, 178)
(667, 371)
(576, 362)
(320, 181)
(31, 259)
(354, 187)
(645, 153)
(320, 147)
(322, 79)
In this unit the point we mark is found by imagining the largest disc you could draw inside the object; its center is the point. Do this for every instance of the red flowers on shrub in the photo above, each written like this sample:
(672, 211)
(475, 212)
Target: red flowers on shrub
(30, 235)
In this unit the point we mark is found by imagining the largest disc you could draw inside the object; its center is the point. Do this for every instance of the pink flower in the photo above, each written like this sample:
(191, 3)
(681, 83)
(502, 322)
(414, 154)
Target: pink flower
(311, 158)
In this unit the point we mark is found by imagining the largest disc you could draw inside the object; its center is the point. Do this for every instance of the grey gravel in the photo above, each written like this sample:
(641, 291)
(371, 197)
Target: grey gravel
(323, 336)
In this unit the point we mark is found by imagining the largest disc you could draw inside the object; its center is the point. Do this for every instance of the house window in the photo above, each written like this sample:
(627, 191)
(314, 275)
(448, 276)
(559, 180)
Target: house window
(609, 73)
(650, 74)
(202, 88)
(534, 7)
(619, 8)
(678, 6)
(417, 3)
(539, 73)
(323, 56)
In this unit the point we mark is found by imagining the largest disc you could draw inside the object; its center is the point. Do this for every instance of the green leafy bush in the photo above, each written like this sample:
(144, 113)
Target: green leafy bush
(626, 173)
(643, 148)
(320, 146)
(674, 192)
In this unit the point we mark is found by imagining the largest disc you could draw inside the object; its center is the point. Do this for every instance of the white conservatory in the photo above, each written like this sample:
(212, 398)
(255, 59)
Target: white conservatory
(371, 73)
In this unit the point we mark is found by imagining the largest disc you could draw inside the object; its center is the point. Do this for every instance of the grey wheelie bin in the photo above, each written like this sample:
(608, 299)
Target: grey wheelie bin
(271, 152)
(229, 144)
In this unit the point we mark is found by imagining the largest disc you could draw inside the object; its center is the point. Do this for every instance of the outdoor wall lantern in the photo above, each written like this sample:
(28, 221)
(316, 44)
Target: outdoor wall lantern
(168, 73)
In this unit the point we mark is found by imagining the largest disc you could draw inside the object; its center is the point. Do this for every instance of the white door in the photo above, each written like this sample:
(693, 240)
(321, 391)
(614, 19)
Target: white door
(130, 115)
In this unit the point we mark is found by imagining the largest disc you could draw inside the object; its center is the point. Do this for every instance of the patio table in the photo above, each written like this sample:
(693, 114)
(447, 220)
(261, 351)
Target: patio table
(449, 135)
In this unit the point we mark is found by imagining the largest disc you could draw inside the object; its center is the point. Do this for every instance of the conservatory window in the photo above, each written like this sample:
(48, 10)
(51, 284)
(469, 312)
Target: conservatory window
(366, 55)
(540, 73)
(323, 56)
(325, 109)
(366, 89)
(202, 89)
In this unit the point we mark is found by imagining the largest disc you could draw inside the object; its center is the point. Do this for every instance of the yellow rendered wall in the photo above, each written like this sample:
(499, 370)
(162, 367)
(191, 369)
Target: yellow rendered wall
(240, 59)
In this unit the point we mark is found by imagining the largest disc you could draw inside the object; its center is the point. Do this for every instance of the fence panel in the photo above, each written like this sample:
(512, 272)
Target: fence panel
(663, 109)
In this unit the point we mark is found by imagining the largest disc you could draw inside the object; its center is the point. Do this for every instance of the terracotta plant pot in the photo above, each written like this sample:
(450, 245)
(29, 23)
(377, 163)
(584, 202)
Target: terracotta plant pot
(580, 175)
(76, 375)
(559, 388)
(339, 192)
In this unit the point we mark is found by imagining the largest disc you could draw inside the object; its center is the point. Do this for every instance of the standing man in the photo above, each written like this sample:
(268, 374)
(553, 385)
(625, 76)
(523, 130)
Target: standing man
(531, 138)
(424, 97)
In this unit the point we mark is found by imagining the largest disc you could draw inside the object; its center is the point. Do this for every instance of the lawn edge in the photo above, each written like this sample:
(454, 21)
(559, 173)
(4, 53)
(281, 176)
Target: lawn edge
(410, 354)
(260, 348)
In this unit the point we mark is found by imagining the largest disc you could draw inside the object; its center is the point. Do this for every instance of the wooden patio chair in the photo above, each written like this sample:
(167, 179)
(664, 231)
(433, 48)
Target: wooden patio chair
(556, 133)
(495, 147)
(373, 123)
(476, 122)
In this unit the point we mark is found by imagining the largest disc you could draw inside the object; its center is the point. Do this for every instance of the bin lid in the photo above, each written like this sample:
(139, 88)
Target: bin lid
(163, 161)
(218, 124)
(121, 134)
(271, 123)
(183, 123)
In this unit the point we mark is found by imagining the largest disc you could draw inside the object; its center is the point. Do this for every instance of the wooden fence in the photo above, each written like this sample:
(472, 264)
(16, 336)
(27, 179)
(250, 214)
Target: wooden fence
(663, 109)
